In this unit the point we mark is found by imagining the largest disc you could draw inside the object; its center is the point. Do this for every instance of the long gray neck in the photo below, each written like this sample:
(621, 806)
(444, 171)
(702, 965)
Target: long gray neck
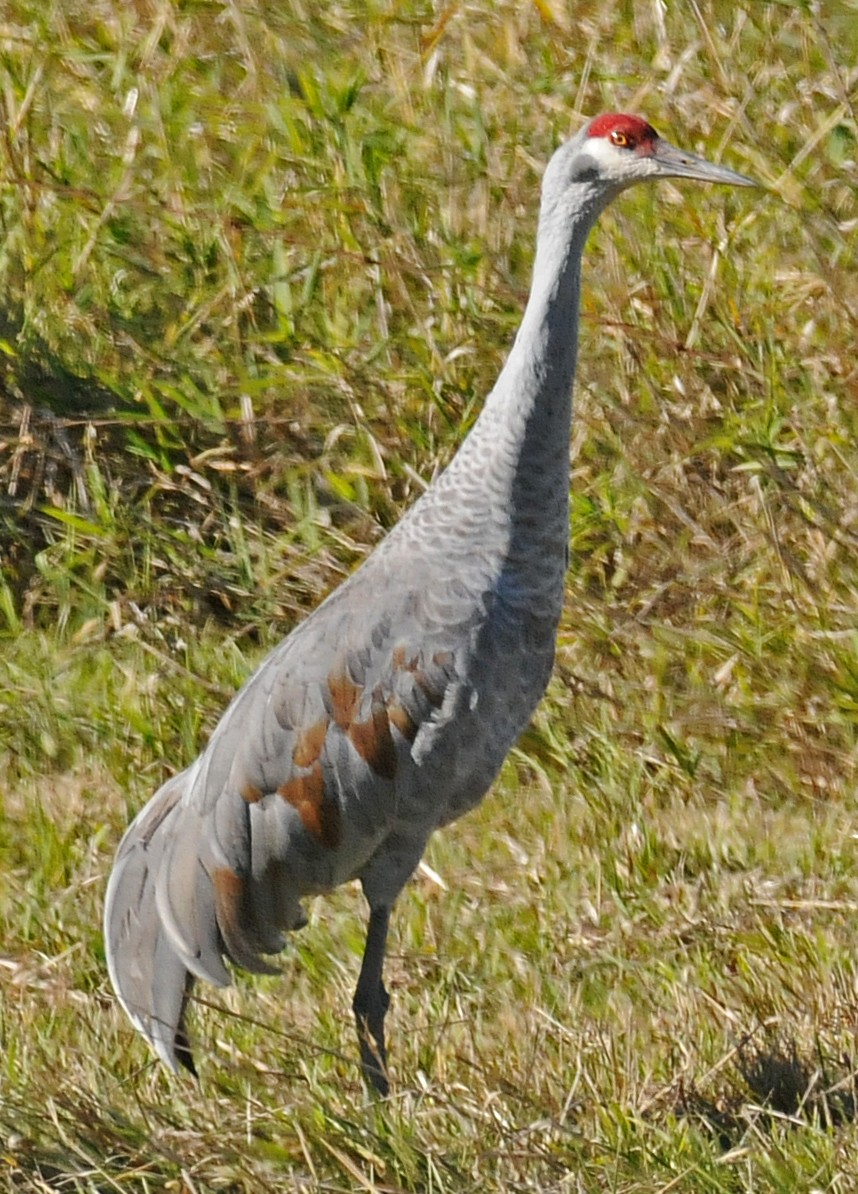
(499, 514)
(530, 407)
(509, 481)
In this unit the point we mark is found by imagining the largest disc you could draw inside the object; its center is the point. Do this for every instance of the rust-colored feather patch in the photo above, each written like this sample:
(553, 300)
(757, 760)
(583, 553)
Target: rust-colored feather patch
(403, 721)
(319, 815)
(251, 793)
(433, 694)
(345, 695)
(309, 743)
(373, 741)
(229, 899)
(236, 921)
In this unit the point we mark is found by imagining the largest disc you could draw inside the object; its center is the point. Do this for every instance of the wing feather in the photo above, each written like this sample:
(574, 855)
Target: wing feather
(318, 739)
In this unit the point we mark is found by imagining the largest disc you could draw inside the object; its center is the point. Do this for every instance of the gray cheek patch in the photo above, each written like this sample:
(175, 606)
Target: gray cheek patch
(585, 169)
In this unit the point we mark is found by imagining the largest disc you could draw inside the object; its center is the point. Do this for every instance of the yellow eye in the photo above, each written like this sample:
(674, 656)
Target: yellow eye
(620, 138)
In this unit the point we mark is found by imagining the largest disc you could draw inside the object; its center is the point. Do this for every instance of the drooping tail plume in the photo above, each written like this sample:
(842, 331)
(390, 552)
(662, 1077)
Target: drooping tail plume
(152, 982)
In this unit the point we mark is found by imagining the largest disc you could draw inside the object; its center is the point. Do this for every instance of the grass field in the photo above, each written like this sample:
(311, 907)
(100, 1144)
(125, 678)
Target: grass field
(259, 264)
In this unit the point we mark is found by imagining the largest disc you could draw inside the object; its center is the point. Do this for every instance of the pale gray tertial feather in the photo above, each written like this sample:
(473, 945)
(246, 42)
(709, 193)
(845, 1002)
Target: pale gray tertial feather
(390, 710)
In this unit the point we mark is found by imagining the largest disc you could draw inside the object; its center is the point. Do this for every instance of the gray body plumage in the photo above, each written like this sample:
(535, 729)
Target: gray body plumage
(390, 710)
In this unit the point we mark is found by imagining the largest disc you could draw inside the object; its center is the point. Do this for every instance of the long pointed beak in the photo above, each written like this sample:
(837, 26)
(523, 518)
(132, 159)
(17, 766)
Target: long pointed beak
(677, 163)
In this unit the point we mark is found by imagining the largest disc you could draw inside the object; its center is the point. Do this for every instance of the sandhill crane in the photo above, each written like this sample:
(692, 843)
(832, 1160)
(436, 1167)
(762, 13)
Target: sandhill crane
(389, 711)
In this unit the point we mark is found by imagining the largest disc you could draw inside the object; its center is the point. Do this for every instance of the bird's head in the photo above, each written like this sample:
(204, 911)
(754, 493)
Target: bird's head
(616, 150)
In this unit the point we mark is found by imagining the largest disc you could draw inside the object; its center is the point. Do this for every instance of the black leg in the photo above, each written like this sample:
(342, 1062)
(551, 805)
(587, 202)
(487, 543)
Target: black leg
(371, 1002)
